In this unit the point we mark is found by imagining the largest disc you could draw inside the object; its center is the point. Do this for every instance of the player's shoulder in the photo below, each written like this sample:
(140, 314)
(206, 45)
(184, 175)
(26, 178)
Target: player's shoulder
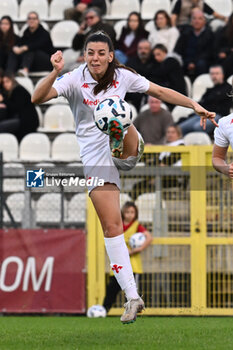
(226, 122)
(124, 72)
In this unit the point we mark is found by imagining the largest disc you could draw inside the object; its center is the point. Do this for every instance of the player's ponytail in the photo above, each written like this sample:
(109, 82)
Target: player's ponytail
(106, 81)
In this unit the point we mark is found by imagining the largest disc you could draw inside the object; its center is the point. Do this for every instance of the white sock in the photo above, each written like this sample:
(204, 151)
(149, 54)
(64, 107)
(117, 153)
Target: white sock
(120, 263)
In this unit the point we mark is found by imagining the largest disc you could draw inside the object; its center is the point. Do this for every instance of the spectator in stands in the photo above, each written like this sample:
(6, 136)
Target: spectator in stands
(167, 70)
(34, 49)
(162, 31)
(153, 122)
(173, 137)
(224, 47)
(22, 117)
(92, 23)
(182, 12)
(130, 37)
(143, 64)
(8, 39)
(215, 98)
(130, 226)
(80, 6)
(195, 46)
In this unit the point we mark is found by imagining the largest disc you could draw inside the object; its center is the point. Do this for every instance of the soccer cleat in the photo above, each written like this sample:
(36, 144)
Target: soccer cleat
(116, 133)
(132, 307)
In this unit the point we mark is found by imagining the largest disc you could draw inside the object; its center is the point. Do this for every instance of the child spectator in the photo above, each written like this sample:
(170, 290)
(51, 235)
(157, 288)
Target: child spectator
(130, 226)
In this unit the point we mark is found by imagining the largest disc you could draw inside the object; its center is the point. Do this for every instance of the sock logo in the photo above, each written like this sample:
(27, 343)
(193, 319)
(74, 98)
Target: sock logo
(116, 268)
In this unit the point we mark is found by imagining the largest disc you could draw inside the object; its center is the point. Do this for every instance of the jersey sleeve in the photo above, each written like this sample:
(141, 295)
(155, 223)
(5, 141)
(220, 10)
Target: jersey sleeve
(63, 85)
(135, 82)
(220, 138)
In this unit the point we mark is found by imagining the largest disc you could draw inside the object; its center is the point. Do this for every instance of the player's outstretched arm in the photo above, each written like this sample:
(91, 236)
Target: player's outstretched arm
(45, 92)
(219, 161)
(174, 97)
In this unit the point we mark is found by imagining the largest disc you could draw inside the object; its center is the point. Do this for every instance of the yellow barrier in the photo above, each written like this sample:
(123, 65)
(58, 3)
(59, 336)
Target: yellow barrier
(187, 206)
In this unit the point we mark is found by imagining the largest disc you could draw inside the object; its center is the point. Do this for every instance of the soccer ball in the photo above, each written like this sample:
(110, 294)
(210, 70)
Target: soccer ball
(137, 240)
(112, 107)
(96, 311)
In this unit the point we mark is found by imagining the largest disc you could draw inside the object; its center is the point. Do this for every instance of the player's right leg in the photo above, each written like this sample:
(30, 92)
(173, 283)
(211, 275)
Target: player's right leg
(106, 201)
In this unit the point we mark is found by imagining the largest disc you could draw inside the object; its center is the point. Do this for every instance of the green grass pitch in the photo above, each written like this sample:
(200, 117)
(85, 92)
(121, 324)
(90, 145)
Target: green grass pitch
(78, 333)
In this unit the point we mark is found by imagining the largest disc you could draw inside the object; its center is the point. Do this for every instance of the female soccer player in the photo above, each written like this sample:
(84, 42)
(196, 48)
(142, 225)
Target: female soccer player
(102, 77)
(223, 137)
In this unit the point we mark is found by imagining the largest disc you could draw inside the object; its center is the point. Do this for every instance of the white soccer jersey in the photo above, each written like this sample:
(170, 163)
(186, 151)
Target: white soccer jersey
(223, 135)
(77, 86)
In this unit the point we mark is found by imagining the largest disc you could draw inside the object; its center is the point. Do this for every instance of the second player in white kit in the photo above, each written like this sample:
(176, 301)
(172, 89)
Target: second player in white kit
(103, 77)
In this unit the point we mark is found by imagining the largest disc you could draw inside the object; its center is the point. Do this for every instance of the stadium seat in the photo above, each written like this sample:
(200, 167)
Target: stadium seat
(39, 6)
(16, 28)
(26, 83)
(230, 80)
(76, 208)
(44, 24)
(48, 208)
(118, 27)
(216, 24)
(10, 8)
(35, 147)
(150, 7)
(40, 116)
(180, 112)
(200, 84)
(149, 25)
(63, 32)
(9, 147)
(122, 8)
(70, 58)
(58, 118)
(224, 7)
(146, 204)
(188, 85)
(57, 7)
(124, 197)
(197, 138)
(134, 111)
(65, 148)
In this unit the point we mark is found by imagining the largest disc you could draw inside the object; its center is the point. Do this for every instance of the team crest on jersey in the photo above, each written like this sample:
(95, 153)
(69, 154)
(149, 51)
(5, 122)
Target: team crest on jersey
(231, 121)
(85, 86)
(115, 83)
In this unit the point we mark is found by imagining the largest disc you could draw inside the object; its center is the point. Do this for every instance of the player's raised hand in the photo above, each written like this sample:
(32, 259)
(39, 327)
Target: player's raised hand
(57, 61)
(204, 114)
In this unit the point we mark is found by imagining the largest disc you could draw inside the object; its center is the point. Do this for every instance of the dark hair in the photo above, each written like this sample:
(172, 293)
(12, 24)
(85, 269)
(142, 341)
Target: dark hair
(129, 205)
(229, 30)
(7, 40)
(163, 12)
(14, 82)
(106, 81)
(140, 29)
(160, 47)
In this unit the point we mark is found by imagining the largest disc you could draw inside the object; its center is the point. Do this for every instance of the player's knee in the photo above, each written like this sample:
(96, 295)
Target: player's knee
(112, 229)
